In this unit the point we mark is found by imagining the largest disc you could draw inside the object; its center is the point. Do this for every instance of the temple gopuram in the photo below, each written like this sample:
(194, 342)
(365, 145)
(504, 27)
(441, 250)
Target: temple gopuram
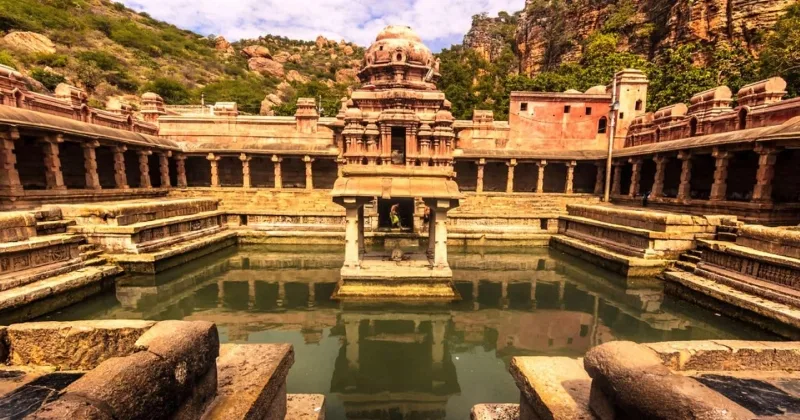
(701, 197)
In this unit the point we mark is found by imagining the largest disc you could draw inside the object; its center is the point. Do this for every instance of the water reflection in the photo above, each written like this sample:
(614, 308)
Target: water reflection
(411, 361)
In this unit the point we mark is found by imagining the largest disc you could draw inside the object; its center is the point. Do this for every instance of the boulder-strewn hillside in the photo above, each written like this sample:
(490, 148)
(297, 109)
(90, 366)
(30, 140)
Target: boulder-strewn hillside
(684, 46)
(112, 51)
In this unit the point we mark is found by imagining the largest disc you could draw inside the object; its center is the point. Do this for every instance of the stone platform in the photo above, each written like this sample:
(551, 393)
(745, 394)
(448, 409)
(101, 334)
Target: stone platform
(755, 278)
(143, 369)
(633, 243)
(718, 379)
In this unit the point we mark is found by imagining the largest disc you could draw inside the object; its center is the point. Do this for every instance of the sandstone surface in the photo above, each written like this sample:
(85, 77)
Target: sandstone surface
(251, 51)
(30, 42)
(266, 66)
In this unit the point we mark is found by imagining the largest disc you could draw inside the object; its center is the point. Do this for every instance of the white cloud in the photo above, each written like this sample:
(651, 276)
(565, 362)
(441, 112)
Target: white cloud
(438, 22)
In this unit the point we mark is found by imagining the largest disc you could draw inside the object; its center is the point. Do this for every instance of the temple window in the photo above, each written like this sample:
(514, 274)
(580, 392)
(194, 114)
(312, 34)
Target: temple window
(523, 106)
(639, 105)
(693, 127)
(742, 119)
(621, 115)
(602, 125)
(566, 109)
(588, 110)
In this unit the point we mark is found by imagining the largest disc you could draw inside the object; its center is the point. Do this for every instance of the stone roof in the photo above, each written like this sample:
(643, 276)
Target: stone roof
(533, 154)
(23, 118)
(396, 182)
(265, 146)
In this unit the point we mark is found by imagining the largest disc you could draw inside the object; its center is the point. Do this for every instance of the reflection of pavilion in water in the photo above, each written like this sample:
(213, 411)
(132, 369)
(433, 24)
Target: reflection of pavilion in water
(515, 304)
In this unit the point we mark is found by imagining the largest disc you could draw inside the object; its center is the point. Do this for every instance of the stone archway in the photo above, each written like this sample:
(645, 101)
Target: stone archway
(466, 175)
(555, 177)
(230, 171)
(495, 177)
(198, 171)
(105, 167)
(672, 177)
(741, 178)
(584, 178)
(647, 177)
(324, 173)
(702, 177)
(132, 172)
(526, 177)
(262, 172)
(72, 165)
(30, 164)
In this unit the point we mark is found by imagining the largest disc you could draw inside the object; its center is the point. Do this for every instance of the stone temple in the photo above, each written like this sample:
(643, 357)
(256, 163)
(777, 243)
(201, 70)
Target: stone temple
(702, 198)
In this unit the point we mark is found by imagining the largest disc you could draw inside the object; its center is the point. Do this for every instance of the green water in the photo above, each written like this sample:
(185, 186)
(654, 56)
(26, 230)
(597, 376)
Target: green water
(410, 361)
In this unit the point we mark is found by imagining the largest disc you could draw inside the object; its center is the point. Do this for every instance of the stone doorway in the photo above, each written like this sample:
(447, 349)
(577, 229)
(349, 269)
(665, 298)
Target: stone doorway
(406, 213)
(398, 145)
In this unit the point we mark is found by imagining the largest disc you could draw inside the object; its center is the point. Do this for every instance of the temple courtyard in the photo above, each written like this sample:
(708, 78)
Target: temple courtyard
(585, 259)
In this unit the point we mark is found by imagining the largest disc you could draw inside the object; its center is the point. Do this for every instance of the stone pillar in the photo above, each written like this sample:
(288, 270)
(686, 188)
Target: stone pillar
(277, 162)
(767, 156)
(351, 255)
(163, 169)
(599, 180)
(437, 349)
(475, 294)
(9, 175)
(481, 166)
(616, 186)
(570, 176)
(214, 160)
(636, 176)
(251, 294)
(309, 172)
(540, 181)
(90, 164)
(432, 234)
(52, 163)
(661, 171)
(510, 182)
(685, 188)
(440, 253)
(281, 294)
(144, 169)
(312, 295)
(361, 244)
(180, 168)
(120, 177)
(351, 343)
(504, 294)
(245, 170)
(720, 186)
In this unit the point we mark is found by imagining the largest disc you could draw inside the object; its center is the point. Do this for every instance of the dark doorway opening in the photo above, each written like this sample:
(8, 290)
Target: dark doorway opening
(398, 145)
(405, 212)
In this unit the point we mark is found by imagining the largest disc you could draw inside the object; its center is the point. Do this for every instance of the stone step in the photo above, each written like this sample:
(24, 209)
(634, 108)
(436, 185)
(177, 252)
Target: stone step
(87, 255)
(88, 280)
(690, 258)
(95, 262)
(87, 247)
(53, 227)
(695, 252)
(685, 266)
(726, 236)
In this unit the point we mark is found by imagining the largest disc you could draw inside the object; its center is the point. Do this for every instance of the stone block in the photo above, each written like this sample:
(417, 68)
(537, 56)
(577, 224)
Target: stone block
(551, 387)
(495, 412)
(762, 355)
(636, 384)
(305, 407)
(17, 226)
(4, 345)
(71, 407)
(142, 385)
(79, 345)
(201, 396)
(251, 379)
(192, 347)
(692, 355)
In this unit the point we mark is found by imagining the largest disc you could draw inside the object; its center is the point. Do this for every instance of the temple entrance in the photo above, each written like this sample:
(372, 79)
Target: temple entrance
(405, 212)
(398, 145)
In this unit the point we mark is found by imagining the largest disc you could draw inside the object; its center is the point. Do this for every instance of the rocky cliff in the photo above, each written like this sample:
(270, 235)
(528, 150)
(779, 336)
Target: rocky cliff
(552, 32)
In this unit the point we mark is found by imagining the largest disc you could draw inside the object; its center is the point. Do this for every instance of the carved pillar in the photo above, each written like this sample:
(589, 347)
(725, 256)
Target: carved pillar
(616, 186)
(277, 162)
(351, 254)
(144, 168)
(431, 234)
(312, 295)
(685, 188)
(180, 168)
(636, 176)
(440, 254)
(570, 176)
(481, 166)
(437, 345)
(163, 169)
(52, 163)
(90, 164)
(661, 171)
(361, 244)
(510, 182)
(9, 175)
(120, 177)
(309, 172)
(720, 186)
(245, 170)
(214, 160)
(351, 343)
(599, 180)
(767, 156)
(540, 180)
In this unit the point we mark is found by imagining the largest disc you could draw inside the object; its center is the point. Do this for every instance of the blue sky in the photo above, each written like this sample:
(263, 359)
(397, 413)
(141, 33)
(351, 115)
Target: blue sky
(439, 22)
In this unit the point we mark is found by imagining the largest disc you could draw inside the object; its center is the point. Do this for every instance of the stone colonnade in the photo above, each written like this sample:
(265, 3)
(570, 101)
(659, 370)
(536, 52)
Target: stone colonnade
(278, 171)
(541, 164)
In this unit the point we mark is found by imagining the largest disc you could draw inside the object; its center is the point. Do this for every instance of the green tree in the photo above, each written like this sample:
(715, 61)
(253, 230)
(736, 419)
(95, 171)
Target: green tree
(49, 79)
(781, 53)
(172, 91)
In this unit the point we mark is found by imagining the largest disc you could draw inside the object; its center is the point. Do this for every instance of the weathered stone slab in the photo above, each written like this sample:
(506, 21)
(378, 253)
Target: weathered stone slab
(135, 211)
(780, 241)
(71, 407)
(305, 407)
(31, 396)
(79, 345)
(638, 385)
(17, 226)
(551, 388)
(190, 346)
(648, 219)
(250, 378)
(494, 412)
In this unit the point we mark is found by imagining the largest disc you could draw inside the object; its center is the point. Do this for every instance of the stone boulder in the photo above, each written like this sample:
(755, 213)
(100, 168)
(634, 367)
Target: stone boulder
(295, 58)
(272, 100)
(281, 57)
(346, 76)
(348, 50)
(223, 46)
(266, 66)
(295, 76)
(321, 42)
(30, 42)
(252, 51)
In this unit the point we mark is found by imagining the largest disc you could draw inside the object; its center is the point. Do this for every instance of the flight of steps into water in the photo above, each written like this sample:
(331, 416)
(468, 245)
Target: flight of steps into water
(151, 236)
(747, 271)
(44, 268)
(631, 242)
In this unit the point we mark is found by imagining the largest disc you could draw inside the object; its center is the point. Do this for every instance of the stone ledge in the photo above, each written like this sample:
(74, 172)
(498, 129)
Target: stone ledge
(728, 355)
(39, 242)
(621, 264)
(649, 234)
(494, 412)
(305, 407)
(751, 253)
(134, 228)
(17, 226)
(647, 219)
(125, 213)
(777, 241)
(552, 388)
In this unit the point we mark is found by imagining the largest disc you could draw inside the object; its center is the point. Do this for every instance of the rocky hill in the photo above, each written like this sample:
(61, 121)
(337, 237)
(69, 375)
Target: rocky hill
(113, 51)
